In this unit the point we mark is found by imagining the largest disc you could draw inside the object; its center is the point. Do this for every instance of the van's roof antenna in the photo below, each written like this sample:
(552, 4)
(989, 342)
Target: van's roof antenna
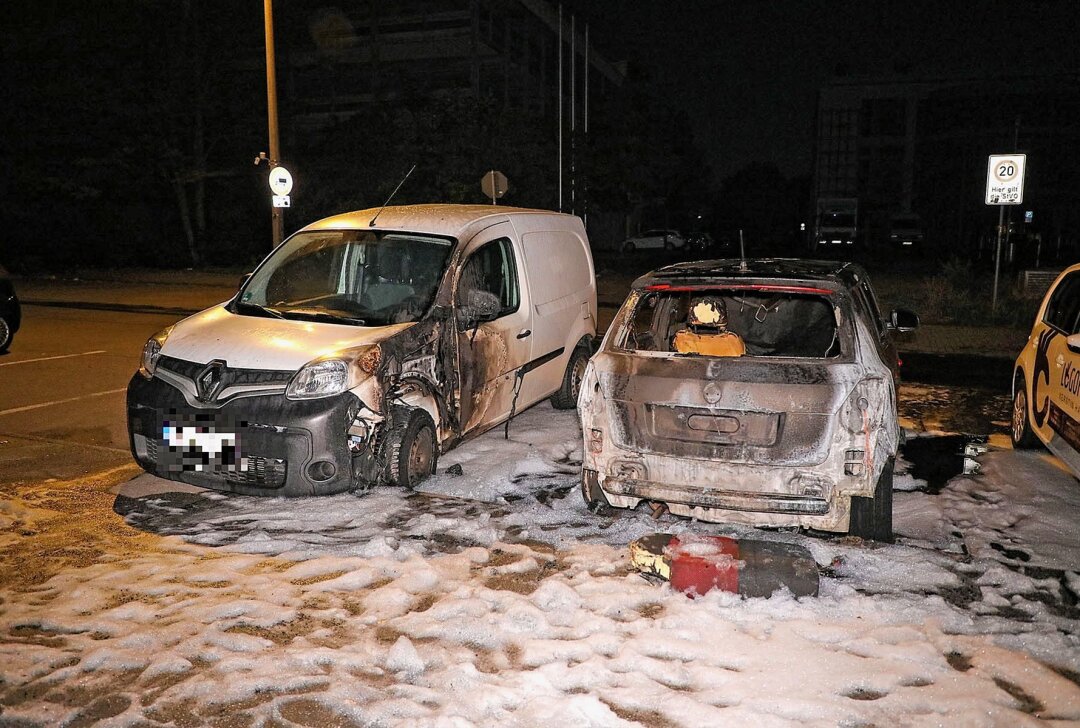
(411, 170)
(742, 253)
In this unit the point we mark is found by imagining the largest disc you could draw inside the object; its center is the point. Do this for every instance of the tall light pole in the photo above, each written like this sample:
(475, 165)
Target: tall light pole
(271, 110)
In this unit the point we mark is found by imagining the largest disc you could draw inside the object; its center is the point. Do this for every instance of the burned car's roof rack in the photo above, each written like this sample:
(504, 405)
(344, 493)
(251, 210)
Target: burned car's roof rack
(733, 269)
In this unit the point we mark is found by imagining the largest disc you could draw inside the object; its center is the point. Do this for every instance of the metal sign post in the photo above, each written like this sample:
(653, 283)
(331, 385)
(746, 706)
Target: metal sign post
(1004, 186)
(277, 223)
(494, 185)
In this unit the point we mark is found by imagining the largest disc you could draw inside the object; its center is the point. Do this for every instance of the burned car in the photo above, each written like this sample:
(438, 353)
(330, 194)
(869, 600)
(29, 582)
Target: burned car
(756, 392)
(366, 344)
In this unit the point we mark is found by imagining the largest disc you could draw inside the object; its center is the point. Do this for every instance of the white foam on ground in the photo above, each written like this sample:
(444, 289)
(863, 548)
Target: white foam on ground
(517, 608)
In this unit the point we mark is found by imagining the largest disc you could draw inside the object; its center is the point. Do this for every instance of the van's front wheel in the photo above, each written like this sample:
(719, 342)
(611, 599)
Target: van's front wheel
(415, 455)
(566, 397)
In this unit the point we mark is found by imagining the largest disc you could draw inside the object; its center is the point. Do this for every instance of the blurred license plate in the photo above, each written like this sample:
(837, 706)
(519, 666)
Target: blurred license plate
(201, 443)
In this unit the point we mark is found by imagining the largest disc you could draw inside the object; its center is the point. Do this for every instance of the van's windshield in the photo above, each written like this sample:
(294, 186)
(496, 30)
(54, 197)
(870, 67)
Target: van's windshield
(359, 277)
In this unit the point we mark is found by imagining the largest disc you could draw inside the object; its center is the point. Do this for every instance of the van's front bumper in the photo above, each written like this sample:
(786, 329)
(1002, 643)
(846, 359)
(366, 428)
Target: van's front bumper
(287, 447)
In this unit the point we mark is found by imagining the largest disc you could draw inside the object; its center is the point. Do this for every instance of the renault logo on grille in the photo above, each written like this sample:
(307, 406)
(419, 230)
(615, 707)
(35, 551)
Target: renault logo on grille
(210, 381)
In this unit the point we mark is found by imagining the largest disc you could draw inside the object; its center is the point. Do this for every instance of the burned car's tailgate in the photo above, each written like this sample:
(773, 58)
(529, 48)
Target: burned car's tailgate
(738, 410)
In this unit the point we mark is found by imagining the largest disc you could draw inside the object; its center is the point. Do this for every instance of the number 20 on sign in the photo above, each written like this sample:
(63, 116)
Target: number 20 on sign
(1005, 179)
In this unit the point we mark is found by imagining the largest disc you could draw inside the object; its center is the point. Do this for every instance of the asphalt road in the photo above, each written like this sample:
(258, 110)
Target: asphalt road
(62, 391)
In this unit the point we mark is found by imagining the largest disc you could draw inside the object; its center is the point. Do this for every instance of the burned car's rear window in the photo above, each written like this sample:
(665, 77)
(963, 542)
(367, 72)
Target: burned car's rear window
(738, 322)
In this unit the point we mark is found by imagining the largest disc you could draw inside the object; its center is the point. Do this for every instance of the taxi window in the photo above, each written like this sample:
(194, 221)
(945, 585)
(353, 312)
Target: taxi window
(1063, 308)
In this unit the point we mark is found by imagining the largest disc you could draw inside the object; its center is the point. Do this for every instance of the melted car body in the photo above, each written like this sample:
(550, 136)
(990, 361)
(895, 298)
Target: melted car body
(786, 429)
(365, 345)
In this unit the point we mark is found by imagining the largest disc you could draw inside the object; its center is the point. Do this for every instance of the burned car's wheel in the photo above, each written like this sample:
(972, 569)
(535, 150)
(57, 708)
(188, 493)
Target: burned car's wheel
(1023, 436)
(5, 335)
(594, 497)
(415, 454)
(871, 518)
(566, 397)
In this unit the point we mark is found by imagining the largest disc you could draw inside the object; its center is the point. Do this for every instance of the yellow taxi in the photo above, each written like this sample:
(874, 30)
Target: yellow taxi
(1046, 382)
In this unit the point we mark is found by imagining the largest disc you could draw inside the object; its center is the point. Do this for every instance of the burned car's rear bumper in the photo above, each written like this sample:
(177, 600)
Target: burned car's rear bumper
(814, 497)
(291, 448)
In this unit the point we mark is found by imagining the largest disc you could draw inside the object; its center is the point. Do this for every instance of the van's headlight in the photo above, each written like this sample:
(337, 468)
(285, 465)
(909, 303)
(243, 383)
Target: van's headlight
(319, 379)
(151, 352)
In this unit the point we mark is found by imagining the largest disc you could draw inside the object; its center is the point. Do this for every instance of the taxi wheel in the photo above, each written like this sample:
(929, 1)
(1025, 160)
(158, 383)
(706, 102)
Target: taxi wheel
(871, 518)
(415, 455)
(1023, 437)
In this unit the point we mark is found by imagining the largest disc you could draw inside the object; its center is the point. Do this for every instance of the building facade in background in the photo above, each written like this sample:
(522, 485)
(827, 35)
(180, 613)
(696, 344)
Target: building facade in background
(343, 57)
(913, 153)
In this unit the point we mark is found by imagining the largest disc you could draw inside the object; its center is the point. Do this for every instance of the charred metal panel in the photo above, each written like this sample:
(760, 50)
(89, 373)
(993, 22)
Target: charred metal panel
(715, 426)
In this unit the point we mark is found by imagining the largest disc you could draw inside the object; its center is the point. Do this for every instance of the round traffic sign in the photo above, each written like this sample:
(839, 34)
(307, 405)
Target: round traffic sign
(280, 181)
(1005, 170)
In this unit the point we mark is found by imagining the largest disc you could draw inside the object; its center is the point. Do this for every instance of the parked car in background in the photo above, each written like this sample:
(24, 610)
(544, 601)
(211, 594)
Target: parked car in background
(794, 425)
(364, 346)
(10, 312)
(905, 231)
(666, 239)
(1046, 377)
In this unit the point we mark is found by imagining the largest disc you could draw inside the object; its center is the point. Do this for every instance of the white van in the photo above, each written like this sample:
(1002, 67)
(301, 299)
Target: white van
(366, 344)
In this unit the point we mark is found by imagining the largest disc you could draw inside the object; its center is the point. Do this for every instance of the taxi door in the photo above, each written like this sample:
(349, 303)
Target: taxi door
(1057, 412)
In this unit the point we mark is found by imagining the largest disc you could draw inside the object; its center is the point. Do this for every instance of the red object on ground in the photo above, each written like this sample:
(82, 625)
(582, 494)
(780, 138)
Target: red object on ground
(704, 563)
(696, 564)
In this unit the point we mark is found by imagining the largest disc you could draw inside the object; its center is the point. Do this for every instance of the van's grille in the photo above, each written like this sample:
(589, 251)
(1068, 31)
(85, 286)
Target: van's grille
(262, 472)
(230, 376)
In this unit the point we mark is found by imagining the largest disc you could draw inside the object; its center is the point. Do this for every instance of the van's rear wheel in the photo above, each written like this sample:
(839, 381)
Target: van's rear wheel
(566, 397)
(415, 455)
(871, 518)
(1023, 437)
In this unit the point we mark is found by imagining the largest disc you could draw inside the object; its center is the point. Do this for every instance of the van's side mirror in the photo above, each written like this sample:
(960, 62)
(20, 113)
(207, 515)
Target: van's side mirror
(903, 320)
(1073, 342)
(476, 307)
(243, 280)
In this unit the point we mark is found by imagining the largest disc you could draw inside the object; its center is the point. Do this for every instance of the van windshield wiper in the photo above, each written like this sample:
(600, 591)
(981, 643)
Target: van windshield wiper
(317, 315)
(244, 306)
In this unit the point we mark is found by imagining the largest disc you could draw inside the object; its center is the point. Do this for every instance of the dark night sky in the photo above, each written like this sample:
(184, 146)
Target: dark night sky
(747, 72)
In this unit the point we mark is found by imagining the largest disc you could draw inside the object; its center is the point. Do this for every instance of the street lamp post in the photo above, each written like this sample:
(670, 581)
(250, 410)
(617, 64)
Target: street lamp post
(271, 110)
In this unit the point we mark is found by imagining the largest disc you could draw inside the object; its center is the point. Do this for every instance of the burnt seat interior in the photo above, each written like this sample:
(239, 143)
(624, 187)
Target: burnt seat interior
(777, 324)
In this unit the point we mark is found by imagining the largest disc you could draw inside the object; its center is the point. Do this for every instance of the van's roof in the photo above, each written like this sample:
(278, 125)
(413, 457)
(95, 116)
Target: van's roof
(437, 219)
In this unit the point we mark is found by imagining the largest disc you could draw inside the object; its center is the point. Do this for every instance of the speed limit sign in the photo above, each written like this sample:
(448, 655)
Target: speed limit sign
(1005, 179)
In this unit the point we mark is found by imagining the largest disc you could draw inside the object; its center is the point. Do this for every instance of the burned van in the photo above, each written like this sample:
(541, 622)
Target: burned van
(365, 345)
(757, 392)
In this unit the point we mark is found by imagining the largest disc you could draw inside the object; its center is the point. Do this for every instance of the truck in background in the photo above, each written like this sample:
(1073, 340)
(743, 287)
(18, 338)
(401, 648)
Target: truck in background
(836, 224)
